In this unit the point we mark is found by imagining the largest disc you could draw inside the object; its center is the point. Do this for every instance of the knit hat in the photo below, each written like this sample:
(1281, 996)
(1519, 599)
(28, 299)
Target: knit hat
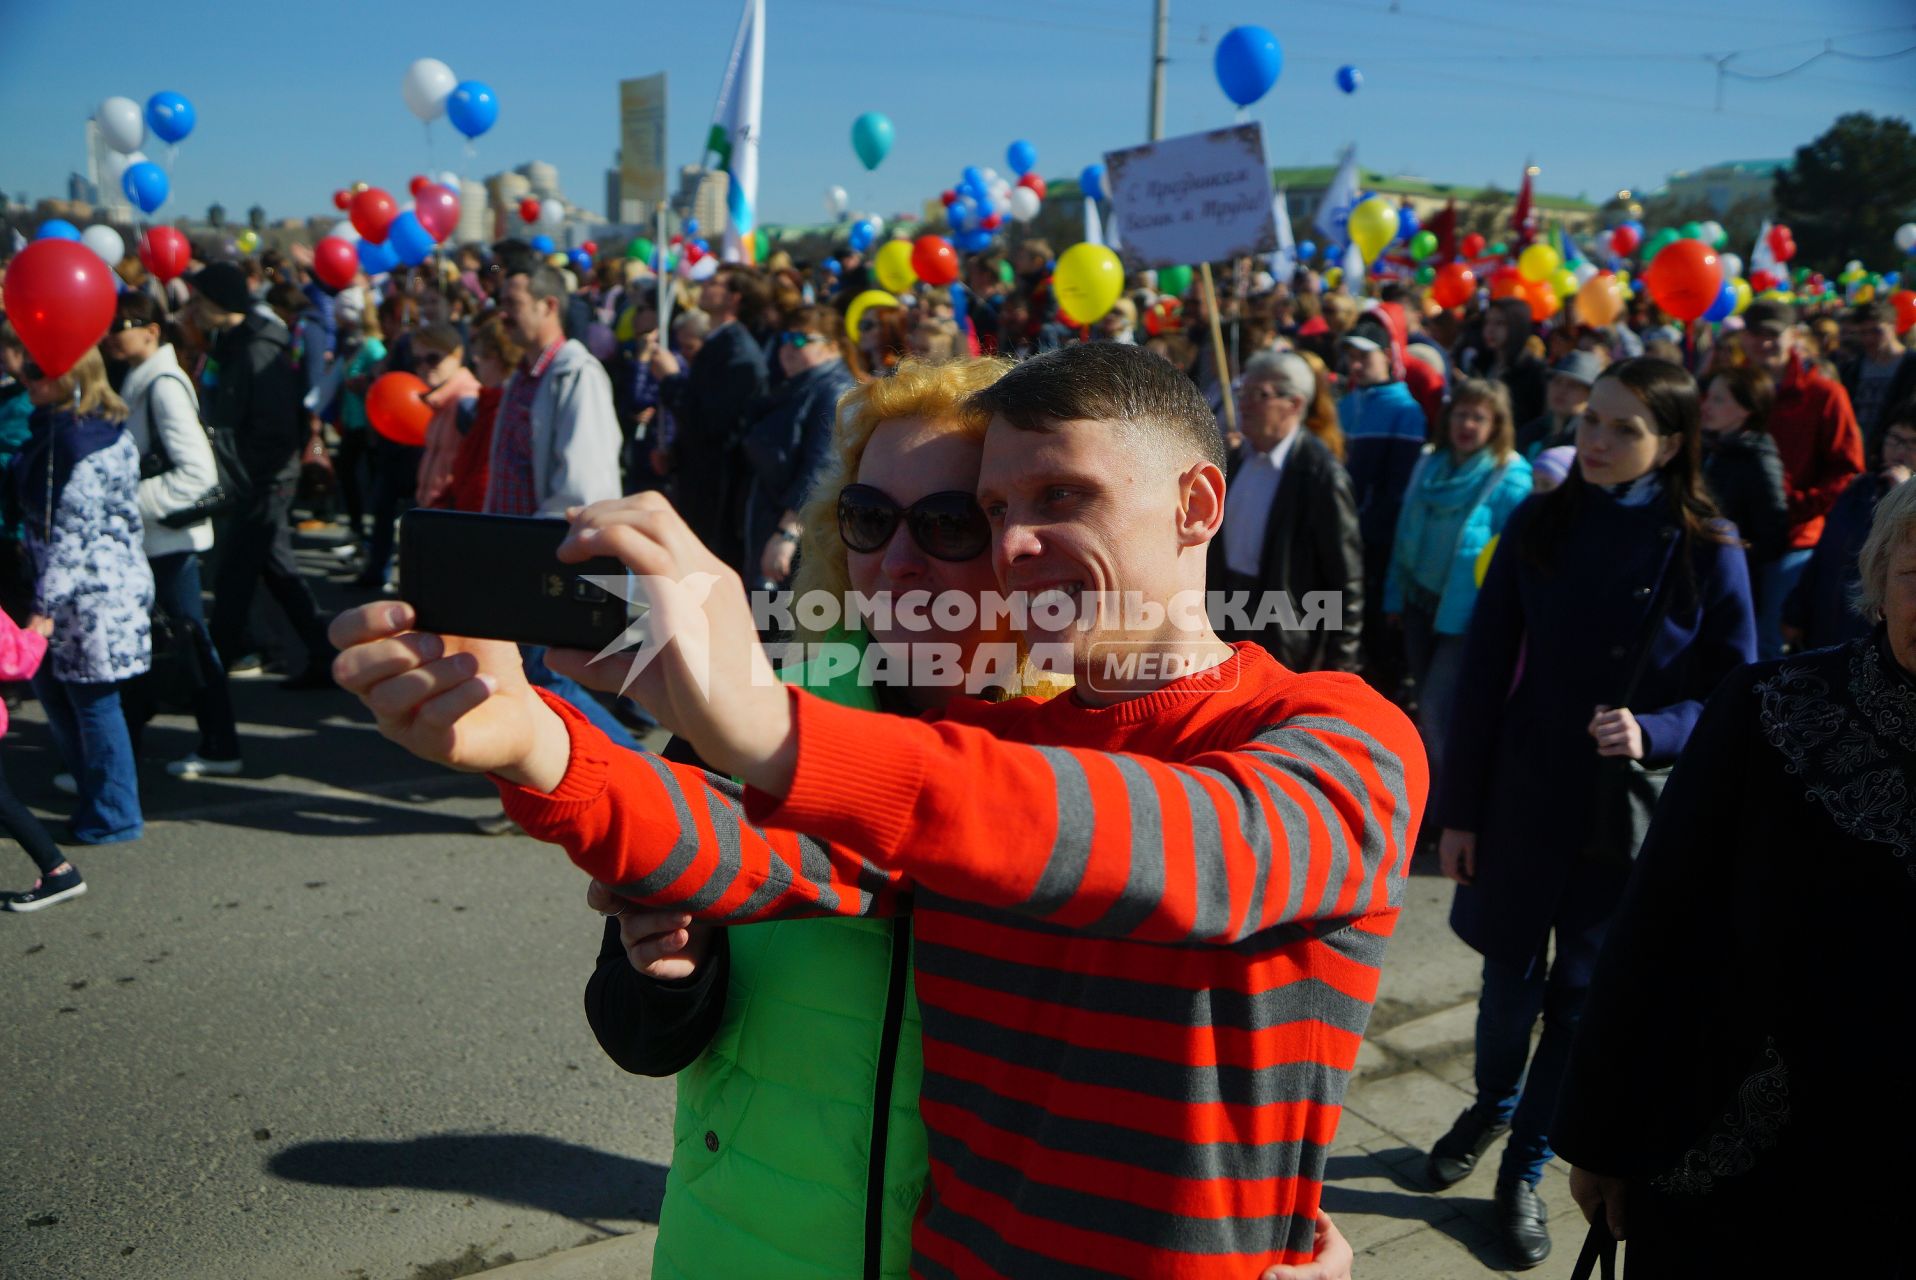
(224, 285)
(1555, 463)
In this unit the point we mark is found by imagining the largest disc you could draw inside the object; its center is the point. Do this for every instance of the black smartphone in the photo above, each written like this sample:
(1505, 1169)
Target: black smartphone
(500, 578)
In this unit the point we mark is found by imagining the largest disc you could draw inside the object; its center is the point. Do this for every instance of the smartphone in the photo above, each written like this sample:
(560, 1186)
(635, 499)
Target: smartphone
(500, 578)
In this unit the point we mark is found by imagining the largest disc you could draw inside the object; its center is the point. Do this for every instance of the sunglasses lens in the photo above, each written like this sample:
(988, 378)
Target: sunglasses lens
(949, 526)
(866, 518)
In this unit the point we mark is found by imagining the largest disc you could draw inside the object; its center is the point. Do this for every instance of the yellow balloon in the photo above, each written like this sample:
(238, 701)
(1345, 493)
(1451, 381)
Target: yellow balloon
(862, 303)
(1563, 282)
(1538, 262)
(1087, 281)
(893, 265)
(1334, 277)
(247, 240)
(1742, 288)
(1373, 224)
(557, 259)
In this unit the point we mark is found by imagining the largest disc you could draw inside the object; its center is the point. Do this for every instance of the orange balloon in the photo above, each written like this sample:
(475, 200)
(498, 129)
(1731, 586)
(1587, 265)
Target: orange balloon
(1599, 301)
(396, 406)
(1541, 297)
(1684, 279)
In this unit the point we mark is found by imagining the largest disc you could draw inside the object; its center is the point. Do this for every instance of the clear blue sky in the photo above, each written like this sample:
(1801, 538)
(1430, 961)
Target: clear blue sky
(295, 101)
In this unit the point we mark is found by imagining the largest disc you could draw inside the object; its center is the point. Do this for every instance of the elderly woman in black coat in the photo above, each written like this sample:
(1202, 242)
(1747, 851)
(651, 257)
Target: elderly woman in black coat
(1735, 1076)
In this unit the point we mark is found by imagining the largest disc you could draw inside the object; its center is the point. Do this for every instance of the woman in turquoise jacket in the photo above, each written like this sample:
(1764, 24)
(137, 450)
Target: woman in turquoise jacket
(1463, 490)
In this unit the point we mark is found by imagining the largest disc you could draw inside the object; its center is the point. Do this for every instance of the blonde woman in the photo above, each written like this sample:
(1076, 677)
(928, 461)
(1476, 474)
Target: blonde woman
(77, 482)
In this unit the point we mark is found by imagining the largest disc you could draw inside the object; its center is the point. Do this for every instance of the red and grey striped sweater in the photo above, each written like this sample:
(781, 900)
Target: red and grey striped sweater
(1148, 939)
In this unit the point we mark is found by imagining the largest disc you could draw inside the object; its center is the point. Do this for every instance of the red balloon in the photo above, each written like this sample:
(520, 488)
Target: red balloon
(437, 209)
(335, 262)
(418, 183)
(1624, 240)
(1453, 286)
(591, 247)
(528, 210)
(59, 297)
(1684, 279)
(373, 213)
(1506, 282)
(1473, 245)
(165, 252)
(692, 252)
(397, 408)
(1034, 183)
(1779, 236)
(950, 198)
(1166, 315)
(935, 261)
(1762, 281)
(991, 222)
(342, 199)
(1905, 303)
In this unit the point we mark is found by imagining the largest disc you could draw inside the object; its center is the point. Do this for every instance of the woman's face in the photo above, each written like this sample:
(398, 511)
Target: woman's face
(909, 458)
(46, 391)
(132, 346)
(12, 360)
(488, 367)
(1721, 413)
(1496, 332)
(434, 367)
(1471, 423)
(1899, 603)
(1617, 439)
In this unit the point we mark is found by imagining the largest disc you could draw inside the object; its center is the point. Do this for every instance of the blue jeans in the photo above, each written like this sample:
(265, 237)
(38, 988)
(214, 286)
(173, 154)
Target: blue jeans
(1436, 662)
(90, 731)
(176, 589)
(577, 694)
(1777, 579)
(1512, 997)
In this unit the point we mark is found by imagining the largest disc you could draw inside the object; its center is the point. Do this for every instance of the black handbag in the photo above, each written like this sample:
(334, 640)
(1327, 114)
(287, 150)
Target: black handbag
(179, 674)
(1598, 1250)
(229, 489)
(1627, 792)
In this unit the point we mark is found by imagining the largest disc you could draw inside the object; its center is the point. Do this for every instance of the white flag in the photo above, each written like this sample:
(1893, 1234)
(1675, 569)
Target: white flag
(1762, 257)
(1112, 240)
(1353, 268)
(1334, 210)
(1093, 227)
(1284, 260)
(735, 130)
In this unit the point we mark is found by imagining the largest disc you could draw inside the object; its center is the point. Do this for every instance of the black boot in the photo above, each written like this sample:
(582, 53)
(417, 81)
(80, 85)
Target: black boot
(1457, 1152)
(1520, 1221)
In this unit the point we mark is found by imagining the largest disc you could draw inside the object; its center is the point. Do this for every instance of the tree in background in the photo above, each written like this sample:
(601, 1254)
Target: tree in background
(1849, 190)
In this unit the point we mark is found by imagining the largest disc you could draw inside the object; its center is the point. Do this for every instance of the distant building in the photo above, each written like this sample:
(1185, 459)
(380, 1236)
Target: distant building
(80, 191)
(475, 214)
(1723, 185)
(543, 179)
(505, 191)
(702, 195)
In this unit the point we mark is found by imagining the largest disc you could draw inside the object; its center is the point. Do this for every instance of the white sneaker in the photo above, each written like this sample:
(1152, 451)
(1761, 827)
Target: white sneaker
(196, 766)
(65, 785)
(345, 551)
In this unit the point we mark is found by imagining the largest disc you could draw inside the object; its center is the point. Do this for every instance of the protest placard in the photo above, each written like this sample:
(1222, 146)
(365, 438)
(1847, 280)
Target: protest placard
(1205, 197)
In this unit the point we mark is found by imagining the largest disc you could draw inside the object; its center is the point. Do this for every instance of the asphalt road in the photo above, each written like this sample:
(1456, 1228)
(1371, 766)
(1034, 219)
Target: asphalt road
(310, 1026)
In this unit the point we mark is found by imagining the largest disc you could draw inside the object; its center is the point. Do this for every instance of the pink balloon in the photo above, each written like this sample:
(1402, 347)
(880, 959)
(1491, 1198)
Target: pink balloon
(437, 208)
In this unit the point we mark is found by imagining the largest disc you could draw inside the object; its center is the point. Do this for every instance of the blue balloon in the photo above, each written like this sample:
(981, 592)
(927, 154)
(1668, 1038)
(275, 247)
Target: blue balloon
(985, 207)
(975, 240)
(831, 267)
(1248, 61)
(1091, 181)
(1407, 223)
(376, 259)
(1724, 305)
(1306, 250)
(863, 233)
(472, 107)
(871, 139)
(542, 245)
(957, 215)
(57, 229)
(146, 186)
(1021, 156)
(581, 260)
(974, 178)
(1349, 78)
(703, 247)
(409, 238)
(170, 116)
(691, 226)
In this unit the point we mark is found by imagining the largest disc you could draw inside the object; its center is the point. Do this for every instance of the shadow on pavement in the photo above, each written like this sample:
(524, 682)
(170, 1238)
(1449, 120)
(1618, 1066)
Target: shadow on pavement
(1456, 1217)
(564, 1178)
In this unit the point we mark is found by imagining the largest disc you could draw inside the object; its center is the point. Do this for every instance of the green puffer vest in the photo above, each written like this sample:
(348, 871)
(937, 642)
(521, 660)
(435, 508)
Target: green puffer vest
(778, 1125)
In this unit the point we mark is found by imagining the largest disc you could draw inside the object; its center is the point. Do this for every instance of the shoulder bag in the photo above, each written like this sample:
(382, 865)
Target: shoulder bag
(227, 491)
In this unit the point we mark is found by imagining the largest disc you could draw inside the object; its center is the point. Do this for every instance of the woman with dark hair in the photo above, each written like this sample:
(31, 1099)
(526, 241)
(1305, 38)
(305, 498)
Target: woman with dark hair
(786, 445)
(1505, 356)
(1741, 467)
(1613, 607)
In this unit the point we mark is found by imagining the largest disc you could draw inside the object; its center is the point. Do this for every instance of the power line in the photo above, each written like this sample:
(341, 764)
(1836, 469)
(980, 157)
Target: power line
(1815, 58)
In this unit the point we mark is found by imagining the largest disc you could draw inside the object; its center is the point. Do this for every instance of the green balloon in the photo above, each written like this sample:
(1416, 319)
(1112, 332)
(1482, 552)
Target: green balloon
(1497, 249)
(1658, 242)
(1426, 274)
(1690, 231)
(1005, 274)
(1175, 281)
(1422, 245)
(640, 248)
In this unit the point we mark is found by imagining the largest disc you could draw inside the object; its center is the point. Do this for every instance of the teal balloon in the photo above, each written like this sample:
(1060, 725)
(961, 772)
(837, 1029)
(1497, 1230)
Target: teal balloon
(871, 138)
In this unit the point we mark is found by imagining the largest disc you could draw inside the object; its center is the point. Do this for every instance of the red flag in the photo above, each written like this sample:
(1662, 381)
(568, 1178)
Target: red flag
(1444, 227)
(1523, 221)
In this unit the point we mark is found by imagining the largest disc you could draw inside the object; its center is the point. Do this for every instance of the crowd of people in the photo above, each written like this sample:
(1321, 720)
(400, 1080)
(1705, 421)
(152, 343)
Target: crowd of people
(1082, 974)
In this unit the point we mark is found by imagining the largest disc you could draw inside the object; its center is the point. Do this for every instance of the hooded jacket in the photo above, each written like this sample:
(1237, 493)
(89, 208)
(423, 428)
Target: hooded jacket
(252, 387)
(1816, 435)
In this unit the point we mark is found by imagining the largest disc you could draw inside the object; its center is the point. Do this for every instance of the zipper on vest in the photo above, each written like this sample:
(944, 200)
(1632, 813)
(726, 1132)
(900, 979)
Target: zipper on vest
(881, 1095)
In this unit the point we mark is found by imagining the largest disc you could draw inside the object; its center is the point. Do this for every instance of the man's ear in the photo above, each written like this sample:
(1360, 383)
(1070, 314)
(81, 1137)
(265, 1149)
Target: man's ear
(1200, 504)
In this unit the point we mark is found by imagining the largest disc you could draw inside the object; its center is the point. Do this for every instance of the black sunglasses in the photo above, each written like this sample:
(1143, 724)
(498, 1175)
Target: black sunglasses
(949, 525)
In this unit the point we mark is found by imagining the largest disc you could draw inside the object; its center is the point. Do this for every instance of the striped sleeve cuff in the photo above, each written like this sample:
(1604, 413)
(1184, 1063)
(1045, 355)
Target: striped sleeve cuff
(858, 778)
(585, 776)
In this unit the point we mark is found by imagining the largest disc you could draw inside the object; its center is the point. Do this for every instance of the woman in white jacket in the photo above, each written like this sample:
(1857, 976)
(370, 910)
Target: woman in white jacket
(176, 471)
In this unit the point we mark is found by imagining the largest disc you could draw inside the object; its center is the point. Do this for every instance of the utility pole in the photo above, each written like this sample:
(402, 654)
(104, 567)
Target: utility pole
(1160, 36)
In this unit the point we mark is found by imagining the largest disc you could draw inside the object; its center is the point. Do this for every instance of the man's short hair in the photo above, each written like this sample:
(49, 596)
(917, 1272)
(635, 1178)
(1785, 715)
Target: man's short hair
(1285, 370)
(287, 296)
(543, 281)
(1879, 311)
(754, 295)
(1114, 382)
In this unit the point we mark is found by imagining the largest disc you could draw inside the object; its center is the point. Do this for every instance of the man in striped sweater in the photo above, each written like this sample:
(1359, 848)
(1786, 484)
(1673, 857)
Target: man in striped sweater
(1149, 914)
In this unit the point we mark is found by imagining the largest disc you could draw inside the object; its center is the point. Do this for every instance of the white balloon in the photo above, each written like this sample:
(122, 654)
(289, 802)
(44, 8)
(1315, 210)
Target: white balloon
(1712, 231)
(1854, 264)
(1732, 265)
(121, 124)
(991, 176)
(551, 212)
(835, 198)
(878, 223)
(106, 242)
(450, 181)
(1583, 271)
(1024, 204)
(117, 164)
(1906, 237)
(705, 268)
(426, 87)
(345, 230)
